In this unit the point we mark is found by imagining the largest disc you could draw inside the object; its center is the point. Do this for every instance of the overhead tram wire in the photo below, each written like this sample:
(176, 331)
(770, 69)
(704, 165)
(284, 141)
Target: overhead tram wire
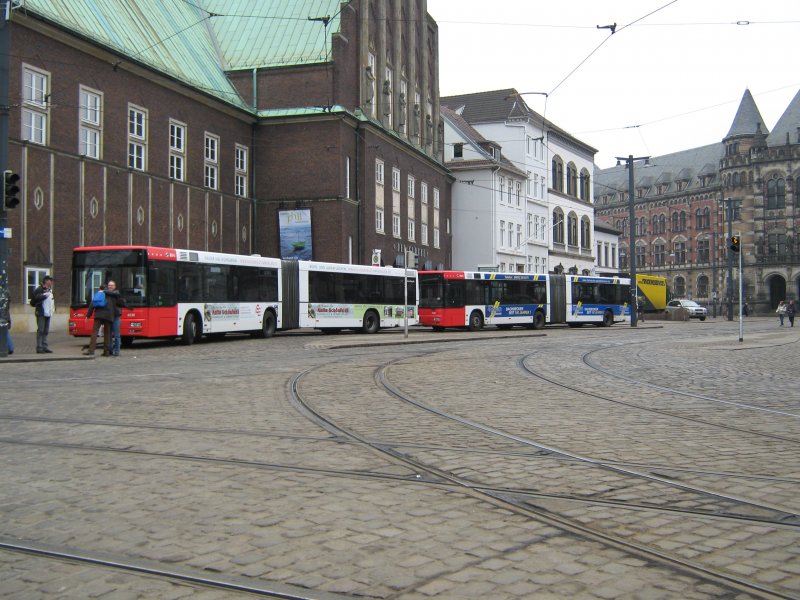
(614, 30)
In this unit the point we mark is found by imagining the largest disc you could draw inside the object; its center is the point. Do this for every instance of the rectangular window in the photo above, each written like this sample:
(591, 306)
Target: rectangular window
(435, 197)
(347, 177)
(423, 191)
(412, 230)
(137, 138)
(423, 233)
(396, 179)
(177, 150)
(379, 172)
(435, 238)
(240, 170)
(35, 112)
(502, 232)
(519, 192)
(411, 186)
(519, 237)
(379, 220)
(371, 74)
(395, 225)
(211, 167)
(34, 277)
(502, 187)
(90, 122)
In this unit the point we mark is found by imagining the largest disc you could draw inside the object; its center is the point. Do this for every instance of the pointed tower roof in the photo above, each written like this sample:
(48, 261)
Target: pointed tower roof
(747, 118)
(788, 126)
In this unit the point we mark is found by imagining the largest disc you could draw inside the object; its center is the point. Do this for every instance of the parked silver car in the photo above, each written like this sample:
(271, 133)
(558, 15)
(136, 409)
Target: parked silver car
(693, 308)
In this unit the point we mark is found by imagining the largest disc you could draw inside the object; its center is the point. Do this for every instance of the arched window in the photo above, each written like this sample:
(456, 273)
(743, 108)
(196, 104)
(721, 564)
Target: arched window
(572, 179)
(642, 226)
(683, 221)
(706, 218)
(558, 173)
(572, 229)
(586, 190)
(558, 226)
(698, 219)
(586, 233)
(679, 285)
(655, 224)
(662, 224)
(702, 286)
(675, 222)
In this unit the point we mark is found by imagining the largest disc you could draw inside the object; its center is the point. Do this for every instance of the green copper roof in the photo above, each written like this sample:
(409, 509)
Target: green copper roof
(197, 41)
(273, 33)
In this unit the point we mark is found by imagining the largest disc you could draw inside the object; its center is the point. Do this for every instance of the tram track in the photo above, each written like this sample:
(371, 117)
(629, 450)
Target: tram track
(193, 578)
(511, 499)
(668, 413)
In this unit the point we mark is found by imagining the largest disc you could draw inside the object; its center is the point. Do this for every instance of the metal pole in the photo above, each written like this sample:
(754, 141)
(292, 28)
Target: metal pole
(5, 47)
(741, 296)
(632, 251)
(729, 287)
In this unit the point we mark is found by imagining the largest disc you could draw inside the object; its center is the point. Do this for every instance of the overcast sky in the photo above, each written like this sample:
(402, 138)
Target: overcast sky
(669, 79)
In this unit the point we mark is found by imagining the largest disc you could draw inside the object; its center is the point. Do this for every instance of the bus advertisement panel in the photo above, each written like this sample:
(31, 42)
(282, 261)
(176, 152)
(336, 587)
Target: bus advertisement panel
(473, 299)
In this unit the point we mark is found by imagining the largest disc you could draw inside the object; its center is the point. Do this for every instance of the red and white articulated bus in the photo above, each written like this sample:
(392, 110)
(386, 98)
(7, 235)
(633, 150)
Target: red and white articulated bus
(189, 293)
(473, 299)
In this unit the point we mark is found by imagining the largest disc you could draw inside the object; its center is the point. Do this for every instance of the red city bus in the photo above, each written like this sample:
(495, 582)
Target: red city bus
(189, 293)
(178, 293)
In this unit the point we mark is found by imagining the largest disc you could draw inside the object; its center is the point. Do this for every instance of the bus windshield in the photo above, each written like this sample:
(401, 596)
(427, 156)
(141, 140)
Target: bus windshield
(92, 268)
(431, 291)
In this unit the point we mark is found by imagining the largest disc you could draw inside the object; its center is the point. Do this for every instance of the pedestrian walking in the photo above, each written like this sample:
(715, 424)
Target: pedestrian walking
(101, 307)
(113, 294)
(781, 310)
(790, 310)
(44, 304)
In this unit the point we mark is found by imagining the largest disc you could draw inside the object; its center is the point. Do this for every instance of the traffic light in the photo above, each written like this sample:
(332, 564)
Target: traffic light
(734, 243)
(10, 189)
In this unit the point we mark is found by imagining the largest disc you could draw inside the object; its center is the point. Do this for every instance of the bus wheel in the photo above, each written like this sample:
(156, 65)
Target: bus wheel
(475, 321)
(538, 320)
(191, 331)
(438, 329)
(608, 319)
(268, 327)
(371, 322)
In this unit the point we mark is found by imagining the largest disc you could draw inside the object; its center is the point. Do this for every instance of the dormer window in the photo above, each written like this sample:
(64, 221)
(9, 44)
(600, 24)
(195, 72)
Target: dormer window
(458, 150)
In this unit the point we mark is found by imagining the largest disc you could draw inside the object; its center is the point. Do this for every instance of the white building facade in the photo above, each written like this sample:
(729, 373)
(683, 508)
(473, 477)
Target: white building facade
(556, 204)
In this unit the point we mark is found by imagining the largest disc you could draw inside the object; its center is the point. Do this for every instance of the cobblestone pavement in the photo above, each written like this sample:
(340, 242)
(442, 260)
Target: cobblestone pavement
(650, 463)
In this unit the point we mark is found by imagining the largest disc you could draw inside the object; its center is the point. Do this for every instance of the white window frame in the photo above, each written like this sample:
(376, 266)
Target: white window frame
(241, 167)
(436, 197)
(177, 150)
(211, 161)
(411, 186)
(396, 225)
(423, 234)
(379, 218)
(33, 279)
(412, 230)
(35, 108)
(90, 122)
(423, 192)
(137, 137)
(379, 171)
(395, 179)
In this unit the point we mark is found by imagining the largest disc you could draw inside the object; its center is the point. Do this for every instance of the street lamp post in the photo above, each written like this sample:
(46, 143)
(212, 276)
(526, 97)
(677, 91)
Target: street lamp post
(629, 161)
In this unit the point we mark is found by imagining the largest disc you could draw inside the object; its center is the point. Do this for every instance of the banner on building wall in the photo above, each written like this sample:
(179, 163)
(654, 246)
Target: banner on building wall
(295, 233)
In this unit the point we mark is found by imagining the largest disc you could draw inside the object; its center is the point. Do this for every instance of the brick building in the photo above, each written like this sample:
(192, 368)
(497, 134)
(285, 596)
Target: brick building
(208, 125)
(681, 206)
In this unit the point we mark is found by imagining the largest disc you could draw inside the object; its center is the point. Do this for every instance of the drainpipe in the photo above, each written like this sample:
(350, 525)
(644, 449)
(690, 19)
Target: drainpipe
(253, 211)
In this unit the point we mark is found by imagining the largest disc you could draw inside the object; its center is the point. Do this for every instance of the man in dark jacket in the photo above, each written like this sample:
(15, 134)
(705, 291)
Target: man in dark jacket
(103, 317)
(42, 301)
